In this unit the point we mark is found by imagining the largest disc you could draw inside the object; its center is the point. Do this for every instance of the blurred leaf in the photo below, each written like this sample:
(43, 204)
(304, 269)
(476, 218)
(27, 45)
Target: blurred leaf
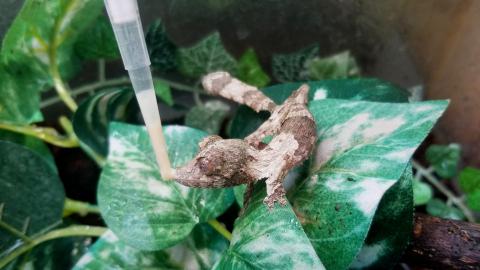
(250, 71)
(161, 50)
(98, 41)
(208, 117)
(444, 159)
(31, 194)
(137, 205)
(199, 251)
(438, 208)
(268, 239)
(246, 120)
(470, 183)
(338, 66)
(91, 120)
(363, 149)
(20, 102)
(291, 67)
(162, 90)
(32, 143)
(206, 56)
(422, 192)
(44, 30)
(391, 227)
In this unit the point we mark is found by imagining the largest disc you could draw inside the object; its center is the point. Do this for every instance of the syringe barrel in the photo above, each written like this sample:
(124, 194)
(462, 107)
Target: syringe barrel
(128, 31)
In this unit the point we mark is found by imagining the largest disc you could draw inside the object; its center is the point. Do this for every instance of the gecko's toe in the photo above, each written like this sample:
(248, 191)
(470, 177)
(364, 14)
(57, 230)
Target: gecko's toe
(278, 196)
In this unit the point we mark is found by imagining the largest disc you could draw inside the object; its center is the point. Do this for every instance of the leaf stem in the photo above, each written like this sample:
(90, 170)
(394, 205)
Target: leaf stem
(49, 135)
(427, 173)
(88, 88)
(75, 230)
(220, 229)
(59, 85)
(79, 207)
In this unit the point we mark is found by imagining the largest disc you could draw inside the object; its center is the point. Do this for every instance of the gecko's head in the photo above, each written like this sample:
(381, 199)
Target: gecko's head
(219, 163)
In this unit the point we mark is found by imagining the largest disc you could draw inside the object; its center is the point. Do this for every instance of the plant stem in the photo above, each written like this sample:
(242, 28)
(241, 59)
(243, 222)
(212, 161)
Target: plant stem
(75, 230)
(49, 135)
(427, 173)
(79, 207)
(220, 229)
(60, 86)
(88, 88)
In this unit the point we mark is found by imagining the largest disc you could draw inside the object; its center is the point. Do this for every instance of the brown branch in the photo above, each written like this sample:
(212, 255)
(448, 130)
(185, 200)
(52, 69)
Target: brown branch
(229, 162)
(444, 244)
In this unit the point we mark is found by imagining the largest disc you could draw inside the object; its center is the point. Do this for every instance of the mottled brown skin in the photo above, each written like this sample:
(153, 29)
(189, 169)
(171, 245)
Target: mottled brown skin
(230, 162)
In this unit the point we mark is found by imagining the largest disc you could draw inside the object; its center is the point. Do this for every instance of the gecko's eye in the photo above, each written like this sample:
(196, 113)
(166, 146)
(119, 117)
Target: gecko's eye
(210, 165)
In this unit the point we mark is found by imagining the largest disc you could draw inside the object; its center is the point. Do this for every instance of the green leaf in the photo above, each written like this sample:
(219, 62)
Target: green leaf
(31, 194)
(438, 208)
(391, 227)
(444, 159)
(470, 183)
(90, 121)
(238, 192)
(138, 206)
(162, 90)
(473, 200)
(268, 239)
(422, 192)
(208, 117)
(43, 31)
(98, 41)
(20, 102)
(470, 180)
(161, 50)
(246, 120)
(291, 67)
(363, 149)
(250, 71)
(338, 66)
(206, 56)
(199, 251)
(31, 143)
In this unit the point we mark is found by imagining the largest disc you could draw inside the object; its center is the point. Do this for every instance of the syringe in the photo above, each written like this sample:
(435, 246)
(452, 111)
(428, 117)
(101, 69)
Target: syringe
(128, 30)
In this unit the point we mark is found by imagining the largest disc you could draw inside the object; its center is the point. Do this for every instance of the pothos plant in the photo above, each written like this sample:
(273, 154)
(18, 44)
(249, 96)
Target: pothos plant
(350, 204)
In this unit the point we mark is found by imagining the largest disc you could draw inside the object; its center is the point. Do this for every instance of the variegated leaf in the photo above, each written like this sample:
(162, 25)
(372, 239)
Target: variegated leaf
(205, 56)
(141, 208)
(246, 120)
(391, 227)
(268, 239)
(199, 251)
(363, 149)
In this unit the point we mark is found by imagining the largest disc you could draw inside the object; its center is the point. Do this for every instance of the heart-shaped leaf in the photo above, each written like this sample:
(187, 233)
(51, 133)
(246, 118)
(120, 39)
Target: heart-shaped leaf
(141, 208)
(250, 71)
(268, 239)
(90, 121)
(204, 57)
(363, 149)
(246, 120)
(200, 250)
(391, 227)
(337, 66)
(31, 194)
(208, 117)
(292, 67)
